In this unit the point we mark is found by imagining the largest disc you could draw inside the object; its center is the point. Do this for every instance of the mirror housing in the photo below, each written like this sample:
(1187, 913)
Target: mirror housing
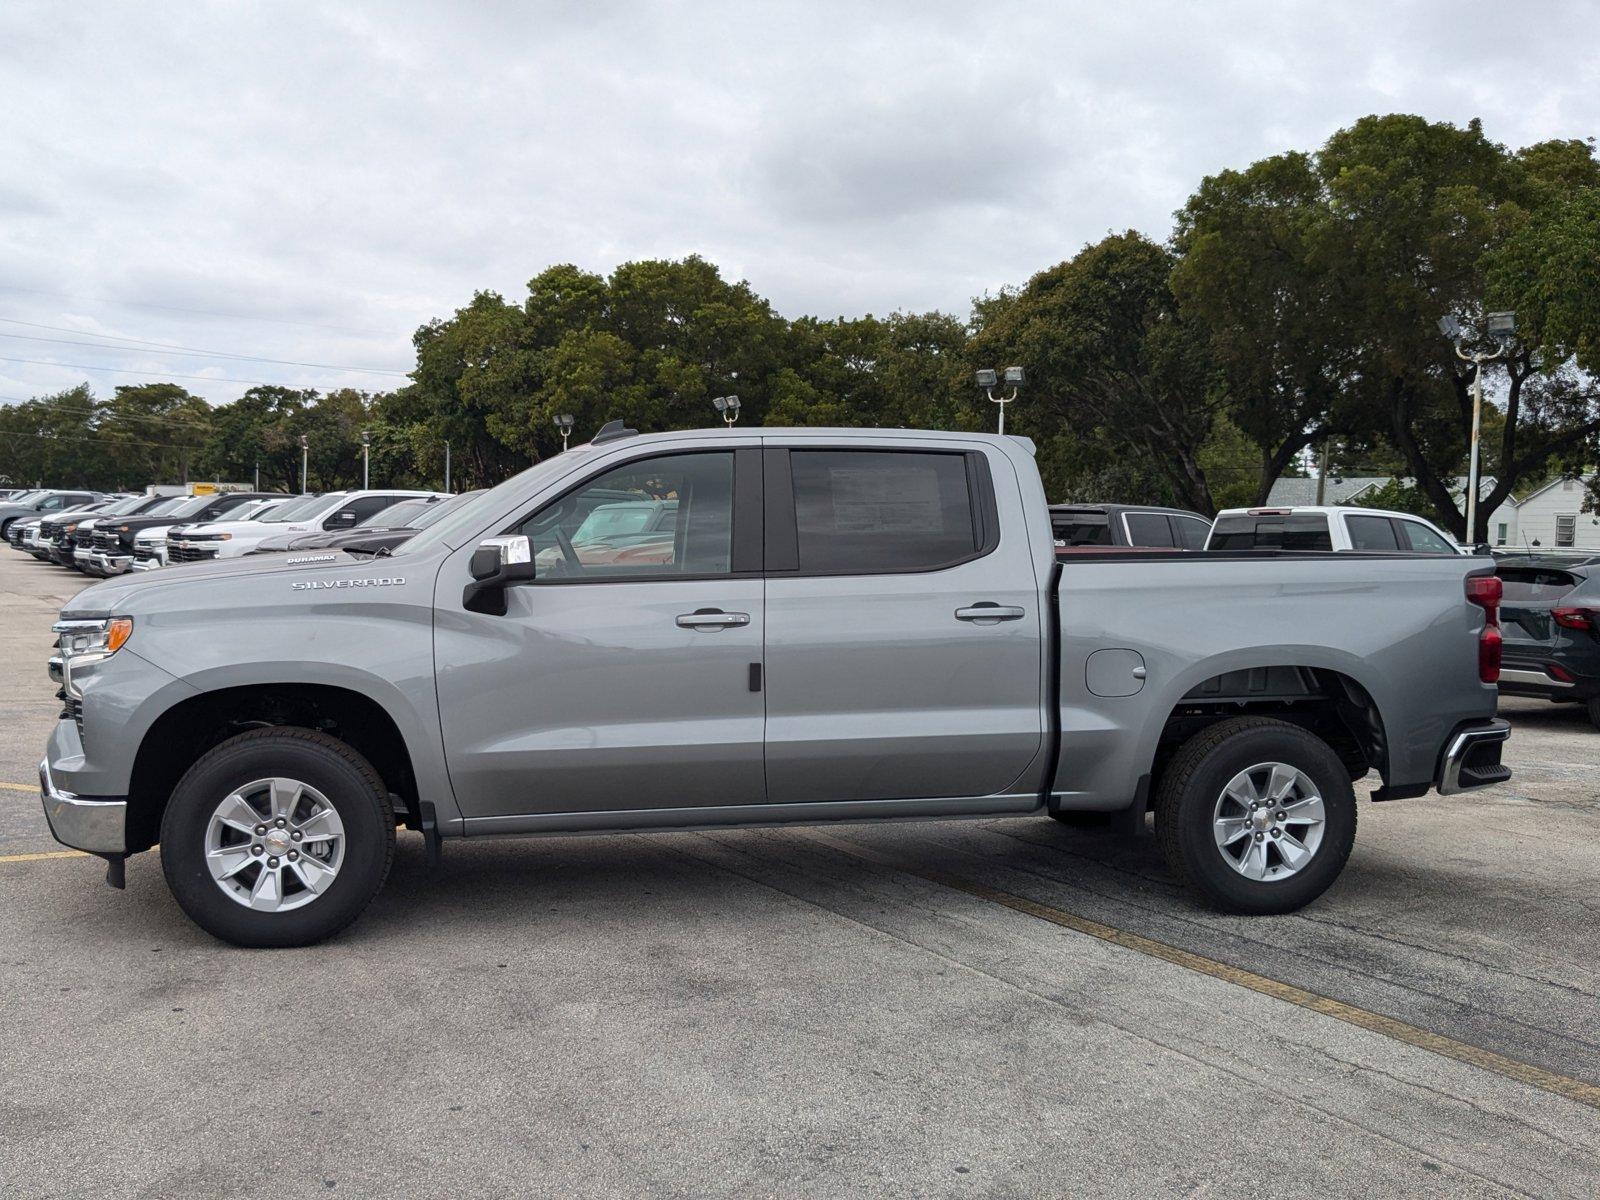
(497, 563)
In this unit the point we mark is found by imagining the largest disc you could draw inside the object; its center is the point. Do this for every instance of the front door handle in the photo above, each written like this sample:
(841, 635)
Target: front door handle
(986, 612)
(712, 618)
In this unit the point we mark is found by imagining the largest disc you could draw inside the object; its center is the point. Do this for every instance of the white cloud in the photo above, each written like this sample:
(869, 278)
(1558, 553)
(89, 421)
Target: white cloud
(311, 182)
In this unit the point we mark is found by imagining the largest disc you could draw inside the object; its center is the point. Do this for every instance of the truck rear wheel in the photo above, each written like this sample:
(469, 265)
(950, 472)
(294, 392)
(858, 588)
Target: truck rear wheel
(1257, 815)
(277, 837)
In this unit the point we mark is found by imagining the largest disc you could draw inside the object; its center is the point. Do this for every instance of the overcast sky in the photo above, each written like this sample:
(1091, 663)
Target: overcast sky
(312, 181)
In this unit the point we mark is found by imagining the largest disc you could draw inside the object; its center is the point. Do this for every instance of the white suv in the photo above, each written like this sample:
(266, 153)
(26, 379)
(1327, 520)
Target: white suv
(307, 514)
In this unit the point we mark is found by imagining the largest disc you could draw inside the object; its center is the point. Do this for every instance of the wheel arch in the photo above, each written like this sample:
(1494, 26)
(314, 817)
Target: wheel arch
(187, 729)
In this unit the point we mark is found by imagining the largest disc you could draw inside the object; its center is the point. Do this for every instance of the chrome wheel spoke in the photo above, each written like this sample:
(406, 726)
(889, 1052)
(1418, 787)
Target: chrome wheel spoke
(227, 861)
(285, 795)
(1294, 852)
(236, 813)
(1270, 805)
(267, 893)
(286, 875)
(313, 872)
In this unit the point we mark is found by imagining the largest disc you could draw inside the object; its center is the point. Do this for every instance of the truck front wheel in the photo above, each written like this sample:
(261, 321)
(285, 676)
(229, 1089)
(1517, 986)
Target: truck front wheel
(1257, 815)
(277, 837)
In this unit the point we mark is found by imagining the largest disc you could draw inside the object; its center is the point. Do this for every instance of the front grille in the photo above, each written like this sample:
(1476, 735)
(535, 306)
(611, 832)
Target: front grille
(178, 552)
(104, 541)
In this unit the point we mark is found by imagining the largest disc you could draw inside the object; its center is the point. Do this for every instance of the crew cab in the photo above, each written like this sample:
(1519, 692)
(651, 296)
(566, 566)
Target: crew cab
(850, 625)
(1306, 527)
(42, 503)
(111, 548)
(1141, 525)
(234, 539)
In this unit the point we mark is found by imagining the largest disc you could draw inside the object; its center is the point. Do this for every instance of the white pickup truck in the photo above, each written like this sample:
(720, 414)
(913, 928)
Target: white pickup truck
(1302, 528)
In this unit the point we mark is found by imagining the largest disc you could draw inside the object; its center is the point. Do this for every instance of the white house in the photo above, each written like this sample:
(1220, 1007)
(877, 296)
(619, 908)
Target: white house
(1551, 518)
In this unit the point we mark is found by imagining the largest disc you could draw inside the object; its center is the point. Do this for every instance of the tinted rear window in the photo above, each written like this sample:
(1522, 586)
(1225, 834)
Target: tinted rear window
(1192, 532)
(1148, 529)
(1268, 531)
(869, 510)
(1534, 585)
(1371, 533)
(1081, 529)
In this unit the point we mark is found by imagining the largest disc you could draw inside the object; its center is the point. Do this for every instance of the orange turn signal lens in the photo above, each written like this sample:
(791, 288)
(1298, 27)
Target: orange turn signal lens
(117, 632)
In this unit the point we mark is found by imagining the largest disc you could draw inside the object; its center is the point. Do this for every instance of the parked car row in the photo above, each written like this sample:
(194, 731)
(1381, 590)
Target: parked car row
(106, 536)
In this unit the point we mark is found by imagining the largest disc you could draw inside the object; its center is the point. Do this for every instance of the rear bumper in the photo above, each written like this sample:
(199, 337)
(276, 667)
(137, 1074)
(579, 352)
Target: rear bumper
(98, 825)
(1471, 757)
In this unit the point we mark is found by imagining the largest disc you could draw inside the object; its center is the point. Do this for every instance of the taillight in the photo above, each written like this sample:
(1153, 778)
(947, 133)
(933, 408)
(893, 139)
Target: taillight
(1573, 618)
(1485, 592)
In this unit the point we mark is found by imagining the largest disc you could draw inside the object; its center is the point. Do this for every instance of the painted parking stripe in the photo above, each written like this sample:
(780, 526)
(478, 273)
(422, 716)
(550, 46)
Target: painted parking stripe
(1412, 1035)
(11, 858)
(21, 787)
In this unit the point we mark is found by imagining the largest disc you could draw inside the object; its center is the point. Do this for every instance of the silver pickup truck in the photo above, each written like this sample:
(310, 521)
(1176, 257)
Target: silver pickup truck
(834, 625)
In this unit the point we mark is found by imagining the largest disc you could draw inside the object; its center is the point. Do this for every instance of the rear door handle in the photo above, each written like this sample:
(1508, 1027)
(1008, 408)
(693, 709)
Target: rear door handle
(712, 618)
(989, 613)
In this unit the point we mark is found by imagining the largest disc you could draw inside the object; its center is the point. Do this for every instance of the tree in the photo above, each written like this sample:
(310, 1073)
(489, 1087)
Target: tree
(1110, 356)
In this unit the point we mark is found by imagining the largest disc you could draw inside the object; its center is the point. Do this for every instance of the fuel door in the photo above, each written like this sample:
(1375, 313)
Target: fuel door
(1114, 672)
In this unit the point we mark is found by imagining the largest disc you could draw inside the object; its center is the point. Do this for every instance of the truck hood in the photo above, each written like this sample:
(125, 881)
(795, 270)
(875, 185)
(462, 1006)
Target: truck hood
(129, 595)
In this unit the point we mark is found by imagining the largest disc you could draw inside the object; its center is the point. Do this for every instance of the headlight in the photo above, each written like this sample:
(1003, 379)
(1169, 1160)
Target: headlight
(80, 640)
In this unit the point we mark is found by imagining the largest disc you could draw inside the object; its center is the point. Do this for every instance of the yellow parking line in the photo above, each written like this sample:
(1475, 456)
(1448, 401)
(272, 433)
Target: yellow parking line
(21, 787)
(10, 858)
(1412, 1035)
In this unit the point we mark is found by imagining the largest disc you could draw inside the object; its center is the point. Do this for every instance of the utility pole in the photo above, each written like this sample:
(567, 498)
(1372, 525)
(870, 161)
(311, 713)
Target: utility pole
(257, 486)
(1501, 327)
(1322, 474)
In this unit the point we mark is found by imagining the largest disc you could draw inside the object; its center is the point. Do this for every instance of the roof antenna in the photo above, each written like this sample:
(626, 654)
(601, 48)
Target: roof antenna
(611, 431)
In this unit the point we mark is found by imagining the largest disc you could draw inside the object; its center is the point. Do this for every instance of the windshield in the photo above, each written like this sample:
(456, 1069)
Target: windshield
(187, 509)
(305, 506)
(117, 507)
(167, 507)
(398, 516)
(611, 520)
(25, 497)
(466, 515)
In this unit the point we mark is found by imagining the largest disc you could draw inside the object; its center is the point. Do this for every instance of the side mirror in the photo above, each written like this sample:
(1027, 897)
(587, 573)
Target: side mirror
(344, 519)
(497, 563)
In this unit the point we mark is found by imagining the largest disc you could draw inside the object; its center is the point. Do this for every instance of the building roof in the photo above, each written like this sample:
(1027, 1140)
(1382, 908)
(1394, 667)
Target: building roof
(1297, 493)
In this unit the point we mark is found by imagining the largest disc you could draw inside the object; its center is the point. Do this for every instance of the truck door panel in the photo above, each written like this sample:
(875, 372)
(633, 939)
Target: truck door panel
(903, 635)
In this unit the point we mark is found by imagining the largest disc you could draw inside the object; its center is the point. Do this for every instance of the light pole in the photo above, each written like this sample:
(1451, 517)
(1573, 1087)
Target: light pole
(447, 466)
(1501, 328)
(987, 381)
(305, 445)
(564, 423)
(728, 407)
(366, 457)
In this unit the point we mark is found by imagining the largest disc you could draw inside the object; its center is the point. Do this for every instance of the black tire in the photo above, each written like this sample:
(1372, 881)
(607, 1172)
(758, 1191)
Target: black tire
(352, 788)
(1190, 789)
(1594, 712)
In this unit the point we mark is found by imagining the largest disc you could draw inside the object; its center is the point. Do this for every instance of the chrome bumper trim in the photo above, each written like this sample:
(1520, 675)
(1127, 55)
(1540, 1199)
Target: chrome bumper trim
(98, 826)
(1449, 781)
(1534, 678)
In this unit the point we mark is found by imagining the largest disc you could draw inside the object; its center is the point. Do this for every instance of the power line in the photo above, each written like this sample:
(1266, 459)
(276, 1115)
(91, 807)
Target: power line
(196, 312)
(45, 362)
(186, 351)
(174, 418)
(51, 437)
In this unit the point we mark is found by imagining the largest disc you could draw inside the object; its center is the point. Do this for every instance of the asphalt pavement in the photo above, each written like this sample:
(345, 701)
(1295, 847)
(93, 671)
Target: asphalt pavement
(965, 1008)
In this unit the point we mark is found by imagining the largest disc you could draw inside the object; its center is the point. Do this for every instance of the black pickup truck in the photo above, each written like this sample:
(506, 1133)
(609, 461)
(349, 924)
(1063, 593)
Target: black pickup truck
(1128, 526)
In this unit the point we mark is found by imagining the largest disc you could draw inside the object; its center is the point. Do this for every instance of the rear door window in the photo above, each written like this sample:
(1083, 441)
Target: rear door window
(1423, 540)
(864, 511)
(1371, 533)
(1081, 529)
(1191, 531)
(1148, 529)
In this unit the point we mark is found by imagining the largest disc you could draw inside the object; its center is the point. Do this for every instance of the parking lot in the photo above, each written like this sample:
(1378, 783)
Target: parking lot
(988, 1008)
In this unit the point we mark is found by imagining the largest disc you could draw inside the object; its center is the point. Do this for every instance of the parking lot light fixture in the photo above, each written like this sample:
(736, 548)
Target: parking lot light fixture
(988, 379)
(366, 458)
(1501, 328)
(305, 447)
(564, 424)
(728, 406)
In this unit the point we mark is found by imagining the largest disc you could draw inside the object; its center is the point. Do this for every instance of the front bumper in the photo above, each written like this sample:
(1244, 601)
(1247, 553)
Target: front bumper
(101, 563)
(98, 824)
(1471, 757)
